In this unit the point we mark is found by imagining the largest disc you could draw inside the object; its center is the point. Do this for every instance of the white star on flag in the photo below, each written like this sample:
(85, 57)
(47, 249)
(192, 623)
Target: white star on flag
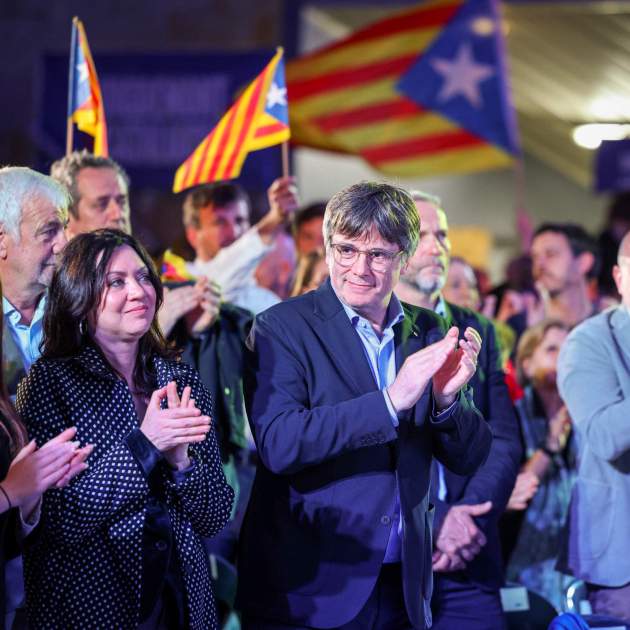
(83, 71)
(276, 96)
(462, 76)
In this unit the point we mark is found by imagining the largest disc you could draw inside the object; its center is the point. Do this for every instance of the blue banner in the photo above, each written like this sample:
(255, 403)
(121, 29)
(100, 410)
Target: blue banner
(612, 169)
(158, 108)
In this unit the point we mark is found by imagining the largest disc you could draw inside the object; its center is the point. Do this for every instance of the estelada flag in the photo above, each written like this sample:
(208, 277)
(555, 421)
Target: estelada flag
(258, 119)
(85, 101)
(419, 93)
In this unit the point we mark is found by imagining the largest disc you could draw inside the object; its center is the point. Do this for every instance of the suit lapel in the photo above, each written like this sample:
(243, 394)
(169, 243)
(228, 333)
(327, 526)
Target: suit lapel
(408, 337)
(341, 340)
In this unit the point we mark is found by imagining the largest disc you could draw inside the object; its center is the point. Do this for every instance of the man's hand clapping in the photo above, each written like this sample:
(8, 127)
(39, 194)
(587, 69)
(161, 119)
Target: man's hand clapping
(450, 364)
(458, 368)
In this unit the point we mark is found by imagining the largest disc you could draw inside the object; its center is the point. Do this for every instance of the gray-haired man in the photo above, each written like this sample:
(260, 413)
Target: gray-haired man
(33, 213)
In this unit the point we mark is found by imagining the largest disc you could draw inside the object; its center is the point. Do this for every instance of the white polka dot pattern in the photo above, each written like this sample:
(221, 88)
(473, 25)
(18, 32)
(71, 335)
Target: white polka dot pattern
(85, 568)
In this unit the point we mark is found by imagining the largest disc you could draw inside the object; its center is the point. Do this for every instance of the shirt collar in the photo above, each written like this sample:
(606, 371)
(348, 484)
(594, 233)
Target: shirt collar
(13, 315)
(395, 313)
(440, 306)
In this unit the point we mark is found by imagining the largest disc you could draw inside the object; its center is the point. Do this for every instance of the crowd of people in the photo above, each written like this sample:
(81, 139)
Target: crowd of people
(326, 401)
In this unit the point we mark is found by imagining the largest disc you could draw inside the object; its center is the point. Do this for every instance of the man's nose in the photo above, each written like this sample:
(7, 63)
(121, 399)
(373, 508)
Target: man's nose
(361, 265)
(434, 245)
(115, 210)
(59, 242)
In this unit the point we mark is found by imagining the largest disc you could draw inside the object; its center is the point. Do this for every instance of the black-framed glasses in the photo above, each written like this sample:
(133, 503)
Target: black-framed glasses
(377, 259)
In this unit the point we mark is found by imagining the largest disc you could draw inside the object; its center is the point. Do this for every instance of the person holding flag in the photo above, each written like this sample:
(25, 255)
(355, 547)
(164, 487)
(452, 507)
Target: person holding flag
(258, 119)
(216, 213)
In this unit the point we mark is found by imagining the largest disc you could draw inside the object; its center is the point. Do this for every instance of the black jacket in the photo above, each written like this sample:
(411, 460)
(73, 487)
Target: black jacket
(494, 480)
(217, 355)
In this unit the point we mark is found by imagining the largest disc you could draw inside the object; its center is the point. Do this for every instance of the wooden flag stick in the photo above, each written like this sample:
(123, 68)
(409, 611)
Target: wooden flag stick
(69, 135)
(285, 159)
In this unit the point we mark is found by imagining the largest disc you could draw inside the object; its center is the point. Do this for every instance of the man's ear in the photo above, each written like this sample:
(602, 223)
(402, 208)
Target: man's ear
(616, 273)
(3, 242)
(585, 262)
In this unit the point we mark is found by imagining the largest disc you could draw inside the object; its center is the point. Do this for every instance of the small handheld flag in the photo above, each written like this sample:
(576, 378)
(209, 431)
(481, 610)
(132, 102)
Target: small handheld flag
(258, 119)
(85, 101)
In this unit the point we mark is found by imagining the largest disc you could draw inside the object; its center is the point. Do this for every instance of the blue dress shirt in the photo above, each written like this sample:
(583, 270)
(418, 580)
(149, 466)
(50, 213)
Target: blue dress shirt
(27, 338)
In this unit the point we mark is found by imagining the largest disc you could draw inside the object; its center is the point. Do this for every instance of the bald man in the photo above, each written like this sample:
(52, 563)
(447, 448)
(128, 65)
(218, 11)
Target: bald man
(594, 381)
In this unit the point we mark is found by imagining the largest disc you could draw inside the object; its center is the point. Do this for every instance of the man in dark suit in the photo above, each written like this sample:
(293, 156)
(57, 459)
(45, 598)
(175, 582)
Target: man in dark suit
(467, 554)
(350, 395)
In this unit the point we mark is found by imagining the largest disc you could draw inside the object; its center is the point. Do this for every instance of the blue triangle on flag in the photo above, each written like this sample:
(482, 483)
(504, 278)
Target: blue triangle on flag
(462, 76)
(276, 104)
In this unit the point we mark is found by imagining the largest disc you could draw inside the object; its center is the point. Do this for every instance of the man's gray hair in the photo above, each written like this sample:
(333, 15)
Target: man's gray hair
(20, 186)
(420, 195)
(354, 211)
(66, 170)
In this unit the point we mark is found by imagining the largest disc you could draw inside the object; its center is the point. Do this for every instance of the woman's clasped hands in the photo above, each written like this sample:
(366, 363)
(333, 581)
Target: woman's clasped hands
(172, 429)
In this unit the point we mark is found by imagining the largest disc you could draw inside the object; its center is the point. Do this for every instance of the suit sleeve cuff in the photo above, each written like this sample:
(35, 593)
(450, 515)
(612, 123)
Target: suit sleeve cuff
(445, 414)
(28, 524)
(143, 451)
(390, 407)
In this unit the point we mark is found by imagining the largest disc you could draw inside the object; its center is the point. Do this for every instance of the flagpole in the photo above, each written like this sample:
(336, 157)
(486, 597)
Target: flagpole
(73, 47)
(69, 135)
(524, 222)
(285, 159)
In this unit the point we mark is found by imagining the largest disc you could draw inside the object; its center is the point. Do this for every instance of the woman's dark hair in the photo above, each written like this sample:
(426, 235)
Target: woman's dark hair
(10, 423)
(76, 291)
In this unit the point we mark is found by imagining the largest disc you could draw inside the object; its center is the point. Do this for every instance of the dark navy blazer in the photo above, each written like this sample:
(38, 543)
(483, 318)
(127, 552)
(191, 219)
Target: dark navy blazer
(494, 481)
(322, 505)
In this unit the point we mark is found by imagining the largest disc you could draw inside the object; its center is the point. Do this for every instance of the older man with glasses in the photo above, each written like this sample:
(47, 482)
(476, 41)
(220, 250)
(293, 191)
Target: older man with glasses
(350, 394)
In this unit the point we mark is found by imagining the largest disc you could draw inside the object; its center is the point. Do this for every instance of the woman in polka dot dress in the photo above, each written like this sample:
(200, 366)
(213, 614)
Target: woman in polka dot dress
(119, 546)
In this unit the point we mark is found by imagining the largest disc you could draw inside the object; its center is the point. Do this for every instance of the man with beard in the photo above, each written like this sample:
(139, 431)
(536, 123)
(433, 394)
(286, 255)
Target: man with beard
(564, 259)
(467, 556)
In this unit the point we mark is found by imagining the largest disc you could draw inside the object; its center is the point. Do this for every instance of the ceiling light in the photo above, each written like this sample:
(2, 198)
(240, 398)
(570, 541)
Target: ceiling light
(591, 136)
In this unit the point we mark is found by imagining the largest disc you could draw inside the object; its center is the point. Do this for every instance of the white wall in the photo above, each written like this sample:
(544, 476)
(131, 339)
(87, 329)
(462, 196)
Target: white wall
(483, 199)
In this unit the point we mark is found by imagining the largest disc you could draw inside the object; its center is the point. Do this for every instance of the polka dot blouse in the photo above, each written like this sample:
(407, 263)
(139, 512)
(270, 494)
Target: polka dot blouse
(84, 569)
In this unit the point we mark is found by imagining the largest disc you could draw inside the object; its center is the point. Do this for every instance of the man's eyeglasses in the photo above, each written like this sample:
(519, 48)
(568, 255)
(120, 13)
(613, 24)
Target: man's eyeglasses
(377, 259)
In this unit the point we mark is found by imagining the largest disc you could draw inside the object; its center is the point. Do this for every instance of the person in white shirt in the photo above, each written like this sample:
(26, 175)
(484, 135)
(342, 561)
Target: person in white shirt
(228, 249)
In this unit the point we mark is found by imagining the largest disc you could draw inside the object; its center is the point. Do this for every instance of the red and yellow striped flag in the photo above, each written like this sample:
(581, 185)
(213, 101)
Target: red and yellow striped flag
(358, 95)
(257, 120)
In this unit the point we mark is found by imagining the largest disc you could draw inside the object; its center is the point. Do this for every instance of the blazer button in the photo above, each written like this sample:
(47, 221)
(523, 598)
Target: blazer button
(161, 545)
(385, 520)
